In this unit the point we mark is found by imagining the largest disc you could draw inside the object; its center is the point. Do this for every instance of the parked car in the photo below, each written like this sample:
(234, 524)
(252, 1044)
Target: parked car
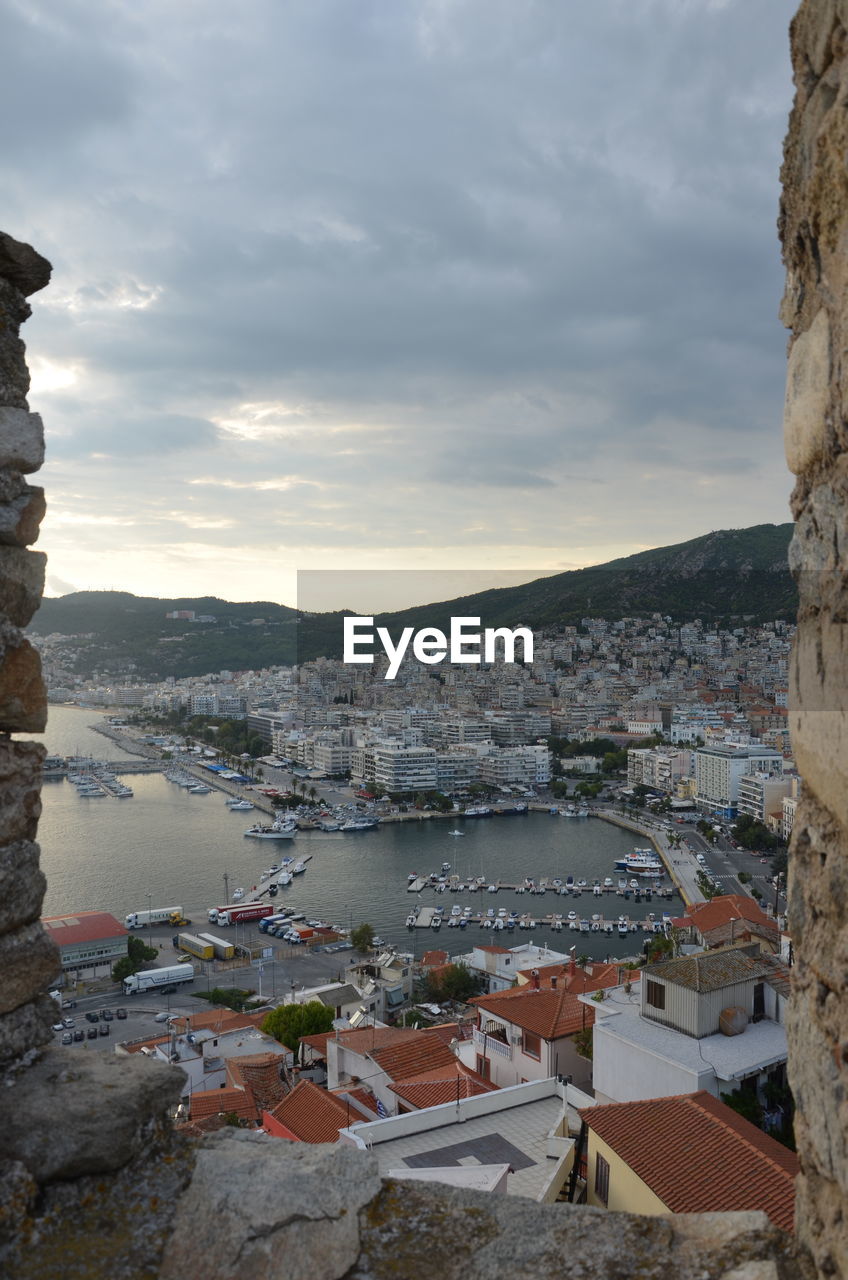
(69, 1004)
(91, 1016)
(107, 1015)
(104, 1028)
(91, 1034)
(68, 1024)
(57, 1026)
(161, 1017)
(120, 1013)
(79, 1034)
(67, 1038)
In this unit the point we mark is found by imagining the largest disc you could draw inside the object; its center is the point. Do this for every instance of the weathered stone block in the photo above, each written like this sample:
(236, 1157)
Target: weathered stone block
(21, 439)
(807, 395)
(14, 375)
(108, 1107)
(22, 508)
(25, 1029)
(21, 583)
(29, 962)
(818, 714)
(22, 884)
(22, 266)
(20, 789)
(23, 697)
(299, 1219)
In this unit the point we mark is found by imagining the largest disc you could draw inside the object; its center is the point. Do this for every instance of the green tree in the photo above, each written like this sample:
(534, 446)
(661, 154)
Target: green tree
(452, 982)
(289, 1022)
(362, 937)
(138, 954)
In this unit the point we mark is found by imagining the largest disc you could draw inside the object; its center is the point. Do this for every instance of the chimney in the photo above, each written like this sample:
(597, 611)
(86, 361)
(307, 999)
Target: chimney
(534, 978)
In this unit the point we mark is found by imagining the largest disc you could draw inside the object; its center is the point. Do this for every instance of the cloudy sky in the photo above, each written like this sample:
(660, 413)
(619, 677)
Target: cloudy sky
(396, 284)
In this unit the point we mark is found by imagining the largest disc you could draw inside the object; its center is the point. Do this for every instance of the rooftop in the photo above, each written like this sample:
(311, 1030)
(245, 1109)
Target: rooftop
(711, 970)
(700, 1156)
(85, 926)
(761, 1045)
(546, 1013)
(509, 1126)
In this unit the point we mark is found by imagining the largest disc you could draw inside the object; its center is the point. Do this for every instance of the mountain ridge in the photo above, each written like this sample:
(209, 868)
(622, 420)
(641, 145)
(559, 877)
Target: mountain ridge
(723, 576)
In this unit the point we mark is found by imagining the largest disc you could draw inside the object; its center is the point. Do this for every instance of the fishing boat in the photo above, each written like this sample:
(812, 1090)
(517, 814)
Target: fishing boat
(456, 833)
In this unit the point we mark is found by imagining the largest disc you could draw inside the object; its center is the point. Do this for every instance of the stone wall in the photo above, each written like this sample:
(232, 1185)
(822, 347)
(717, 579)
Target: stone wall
(28, 960)
(94, 1182)
(814, 233)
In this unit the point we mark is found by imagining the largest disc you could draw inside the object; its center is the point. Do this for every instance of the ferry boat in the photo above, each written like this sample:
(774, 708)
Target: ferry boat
(641, 862)
(276, 831)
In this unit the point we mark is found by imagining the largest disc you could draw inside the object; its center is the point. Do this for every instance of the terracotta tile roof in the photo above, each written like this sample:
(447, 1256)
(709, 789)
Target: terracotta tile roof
(260, 1073)
(218, 1020)
(446, 1031)
(211, 1102)
(579, 982)
(361, 1096)
(83, 926)
(707, 916)
(412, 1057)
(549, 1014)
(424, 1093)
(311, 1114)
(710, 970)
(699, 1156)
(432, 958)
(367, 1038)
(318, 1043)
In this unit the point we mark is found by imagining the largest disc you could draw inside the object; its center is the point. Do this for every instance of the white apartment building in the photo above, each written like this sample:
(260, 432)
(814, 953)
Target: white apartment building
(400, 768)
(760, 795)
(657, 767)
(720, 768)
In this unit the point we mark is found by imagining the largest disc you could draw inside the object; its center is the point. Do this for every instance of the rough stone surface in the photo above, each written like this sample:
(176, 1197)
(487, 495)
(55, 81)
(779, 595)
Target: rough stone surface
(29, 961)
(25, 1029)
(14, 375)
(108, 1107)
(23, 697)
(20, 789)
(22, 266)
(21, 583)
(22, 885)
(807, 401)
(814, 229)
(321, 1213)
(22, 508)
(299, 1219)
(21, 439)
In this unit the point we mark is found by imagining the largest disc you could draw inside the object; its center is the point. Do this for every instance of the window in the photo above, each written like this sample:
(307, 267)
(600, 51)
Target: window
(484, 1067)
(655, 994)
(759, 1002)
(532, 1046)
(602, 1179)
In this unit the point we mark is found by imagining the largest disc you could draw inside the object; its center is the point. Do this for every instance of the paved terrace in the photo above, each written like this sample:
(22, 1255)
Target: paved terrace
(520, 1126)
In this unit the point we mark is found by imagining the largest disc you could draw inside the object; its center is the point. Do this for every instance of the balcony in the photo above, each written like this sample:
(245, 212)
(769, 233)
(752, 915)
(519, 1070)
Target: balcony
(491, 1044)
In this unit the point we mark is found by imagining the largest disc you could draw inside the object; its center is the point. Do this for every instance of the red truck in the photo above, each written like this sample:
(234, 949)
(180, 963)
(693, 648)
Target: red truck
(239, 912)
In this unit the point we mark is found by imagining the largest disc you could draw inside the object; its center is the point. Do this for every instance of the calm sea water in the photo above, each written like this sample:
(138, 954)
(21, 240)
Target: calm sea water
(169, 847)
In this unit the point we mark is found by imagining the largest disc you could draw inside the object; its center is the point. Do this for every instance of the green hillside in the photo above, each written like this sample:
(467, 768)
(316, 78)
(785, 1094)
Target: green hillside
(727, 577)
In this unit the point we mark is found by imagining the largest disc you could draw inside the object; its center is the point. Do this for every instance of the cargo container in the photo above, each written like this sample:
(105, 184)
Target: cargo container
(197, 947)
(222, 950)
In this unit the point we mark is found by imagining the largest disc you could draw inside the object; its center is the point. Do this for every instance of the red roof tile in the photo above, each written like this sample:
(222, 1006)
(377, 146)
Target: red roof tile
(578, 982)
(311, 1114)
(699, 1156)
(83, 926)
(212, 1102)
(261, 1074)
(549, 1014)
(422, 1053)
(424, 1093)
(430, 959)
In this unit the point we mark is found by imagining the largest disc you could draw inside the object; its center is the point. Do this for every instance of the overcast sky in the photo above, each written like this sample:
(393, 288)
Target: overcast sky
(396, 283)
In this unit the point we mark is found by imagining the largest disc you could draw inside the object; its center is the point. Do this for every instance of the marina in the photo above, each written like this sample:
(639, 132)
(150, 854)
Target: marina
(170, 844)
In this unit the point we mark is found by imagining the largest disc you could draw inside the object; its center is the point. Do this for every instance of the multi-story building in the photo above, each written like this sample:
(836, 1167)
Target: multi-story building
(400, 769)
(760, 795)
(719, 769)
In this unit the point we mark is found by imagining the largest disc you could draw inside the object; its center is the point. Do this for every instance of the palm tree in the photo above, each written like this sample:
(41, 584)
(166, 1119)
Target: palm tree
(312, 794)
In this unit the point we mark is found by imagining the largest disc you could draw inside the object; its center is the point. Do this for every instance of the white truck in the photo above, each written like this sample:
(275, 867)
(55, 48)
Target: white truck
(159, 915)
(155, 979)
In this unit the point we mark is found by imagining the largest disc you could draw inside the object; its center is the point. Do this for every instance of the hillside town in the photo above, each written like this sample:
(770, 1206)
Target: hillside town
(573, 1079)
